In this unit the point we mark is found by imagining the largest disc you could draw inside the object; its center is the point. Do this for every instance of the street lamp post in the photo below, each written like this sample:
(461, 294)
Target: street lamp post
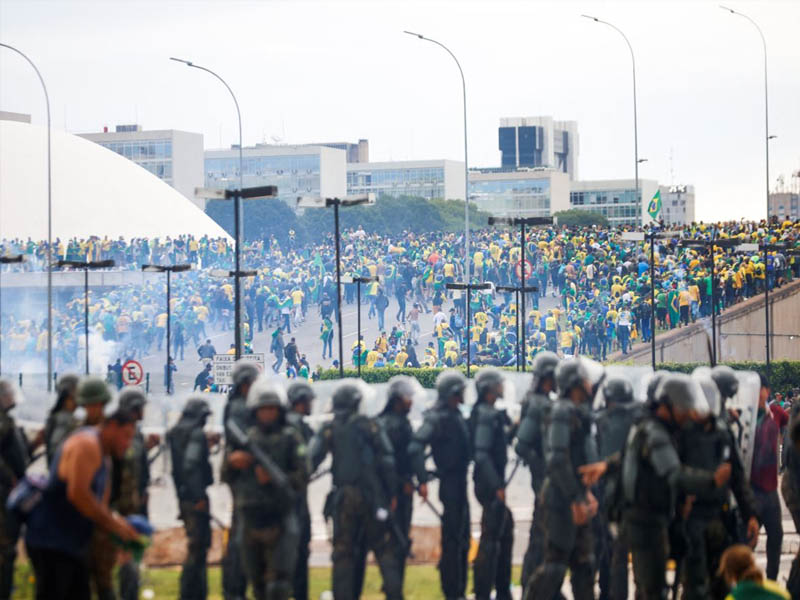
(466, 161)
(5, 260)
(358, 281)
(168, 269)
(522, 345)
(237, 217)
(635, 119)
(86, 266)
(49, 225)
(468, 287)
(224, 274)
(523, 274)
(319, 202)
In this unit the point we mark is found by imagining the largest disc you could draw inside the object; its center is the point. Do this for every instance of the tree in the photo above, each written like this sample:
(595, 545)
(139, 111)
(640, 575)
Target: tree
(581, 218)
(261, 218)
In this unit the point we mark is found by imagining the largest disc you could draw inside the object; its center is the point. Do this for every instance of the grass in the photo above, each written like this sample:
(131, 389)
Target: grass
(422, 582)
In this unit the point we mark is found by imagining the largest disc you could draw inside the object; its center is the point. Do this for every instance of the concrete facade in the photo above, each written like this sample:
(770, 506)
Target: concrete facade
(615, 199)
(429, 179)
(174, 156)
(740, 333)
(784, 205)
(677, 204)
(520, 193)
(530, 142)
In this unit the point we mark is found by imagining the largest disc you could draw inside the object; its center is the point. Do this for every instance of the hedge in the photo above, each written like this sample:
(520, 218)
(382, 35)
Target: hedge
(784, 376)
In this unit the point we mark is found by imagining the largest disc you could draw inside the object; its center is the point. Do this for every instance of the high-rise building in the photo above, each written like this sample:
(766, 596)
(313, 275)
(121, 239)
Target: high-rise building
(429, 179)
(528, 142)
(784, 205)
(519, 193)
(677, 204)
(172, 155)
(615, 199)
(295, 170)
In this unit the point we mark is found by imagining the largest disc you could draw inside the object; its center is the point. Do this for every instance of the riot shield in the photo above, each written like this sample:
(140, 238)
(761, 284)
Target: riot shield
(745, 404)
(639, 376)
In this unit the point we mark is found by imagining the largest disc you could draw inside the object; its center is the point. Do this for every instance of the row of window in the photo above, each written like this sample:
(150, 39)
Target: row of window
(601, 198)
(300, 165)
(395, 177)
(160, 168)
(141, 150)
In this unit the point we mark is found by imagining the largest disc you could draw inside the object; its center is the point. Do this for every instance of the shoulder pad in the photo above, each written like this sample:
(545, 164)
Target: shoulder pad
(562, 410)
(655, 434)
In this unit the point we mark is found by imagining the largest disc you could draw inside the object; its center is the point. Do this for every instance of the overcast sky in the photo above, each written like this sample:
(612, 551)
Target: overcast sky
(336, 70)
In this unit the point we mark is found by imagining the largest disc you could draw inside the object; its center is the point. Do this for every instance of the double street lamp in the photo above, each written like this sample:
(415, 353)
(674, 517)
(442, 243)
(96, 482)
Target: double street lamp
(522, 337)
(523, 264)
(467, 333)
(6, 260)
(85, 266)
(319, 202)
(358, 281)
(168, 269)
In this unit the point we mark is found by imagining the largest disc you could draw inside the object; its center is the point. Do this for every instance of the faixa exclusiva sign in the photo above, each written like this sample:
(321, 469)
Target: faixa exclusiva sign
(223, 366)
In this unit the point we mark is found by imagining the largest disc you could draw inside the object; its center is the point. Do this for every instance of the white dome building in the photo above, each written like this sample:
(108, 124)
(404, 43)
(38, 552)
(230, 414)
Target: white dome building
(94, 192)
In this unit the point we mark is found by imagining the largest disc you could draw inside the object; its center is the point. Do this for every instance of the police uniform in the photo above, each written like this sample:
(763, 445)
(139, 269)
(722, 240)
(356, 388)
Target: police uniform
(569, 444)
(301, 392)
(268, 510)
(234, 581)
(363, 476)
(652, 477)
(60, 422)
(529, 447)
(490, 428)
(445, 431)
(191, 472)
(398, 429)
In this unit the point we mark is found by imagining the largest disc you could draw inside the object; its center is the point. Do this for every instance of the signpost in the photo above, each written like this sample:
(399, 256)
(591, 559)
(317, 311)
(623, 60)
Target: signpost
(223, 366)
(132, 373)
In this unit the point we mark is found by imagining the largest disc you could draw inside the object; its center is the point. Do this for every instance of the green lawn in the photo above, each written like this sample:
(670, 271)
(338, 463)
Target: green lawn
(422, 582)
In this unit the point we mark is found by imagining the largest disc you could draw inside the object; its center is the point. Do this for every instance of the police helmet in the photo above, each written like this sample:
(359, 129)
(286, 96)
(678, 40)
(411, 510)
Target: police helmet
(680, 391)
(486, 380)
(400, 386)
(196, 407)
(265, 392)
(347, 398)
(131, 398)
(726, 381)
(570, 373)
(652, 385)
(300, 391)
(450, 383)
(544, 366)
(67, 384)
(244, 372)
(617, 390)
(93, 390)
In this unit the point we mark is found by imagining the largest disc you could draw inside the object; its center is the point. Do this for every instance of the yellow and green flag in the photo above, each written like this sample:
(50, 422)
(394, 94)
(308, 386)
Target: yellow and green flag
(654, 208)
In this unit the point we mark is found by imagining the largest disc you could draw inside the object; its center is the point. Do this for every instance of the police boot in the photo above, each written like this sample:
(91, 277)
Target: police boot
(546, 582)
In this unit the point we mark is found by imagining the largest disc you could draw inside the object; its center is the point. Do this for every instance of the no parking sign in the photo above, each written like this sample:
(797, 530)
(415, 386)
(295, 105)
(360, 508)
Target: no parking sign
(132, 373)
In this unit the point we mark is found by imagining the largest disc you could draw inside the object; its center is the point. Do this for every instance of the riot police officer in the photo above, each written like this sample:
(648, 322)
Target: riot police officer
(360, 503)
(712, 526)
(445, 431)
(93, 395)
(191, 472)
(569, 505)
(61, 421)
(653, 476)
(234, 583)
(14, 460)
(394, 421)
(273, 472)
(490, 429)
(535, 410)
(301, 397)
(614, 421)
(130, 480)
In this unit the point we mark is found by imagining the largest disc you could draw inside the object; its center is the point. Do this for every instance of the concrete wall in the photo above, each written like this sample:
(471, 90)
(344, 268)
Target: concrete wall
(740, 333)
(187, 165)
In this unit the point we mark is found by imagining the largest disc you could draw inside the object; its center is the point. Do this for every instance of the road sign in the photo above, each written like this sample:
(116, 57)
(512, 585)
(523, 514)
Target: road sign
(223, 366)
(528, 269)
(132, 373)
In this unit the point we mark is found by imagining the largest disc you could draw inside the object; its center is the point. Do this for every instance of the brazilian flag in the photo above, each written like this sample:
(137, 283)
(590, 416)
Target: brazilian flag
(654, 208)
(674, 308)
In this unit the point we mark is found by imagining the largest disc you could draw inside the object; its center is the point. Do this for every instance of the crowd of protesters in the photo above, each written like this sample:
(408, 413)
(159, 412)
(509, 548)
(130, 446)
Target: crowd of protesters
(596, 282)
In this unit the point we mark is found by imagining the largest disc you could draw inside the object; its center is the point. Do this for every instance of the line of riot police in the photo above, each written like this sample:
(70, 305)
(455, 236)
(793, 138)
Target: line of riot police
(610, 475)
